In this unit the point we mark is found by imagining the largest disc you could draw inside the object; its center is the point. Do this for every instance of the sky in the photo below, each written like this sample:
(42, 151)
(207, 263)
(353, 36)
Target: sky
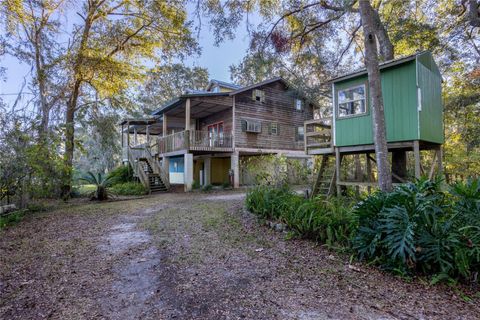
(216, 59)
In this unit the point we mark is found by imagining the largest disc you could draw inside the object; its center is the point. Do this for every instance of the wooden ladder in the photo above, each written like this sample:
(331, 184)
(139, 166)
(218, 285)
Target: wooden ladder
(325, 182)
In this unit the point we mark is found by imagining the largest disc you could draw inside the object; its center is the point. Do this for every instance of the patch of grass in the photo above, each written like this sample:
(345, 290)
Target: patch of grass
(129, 189)
(12, 218)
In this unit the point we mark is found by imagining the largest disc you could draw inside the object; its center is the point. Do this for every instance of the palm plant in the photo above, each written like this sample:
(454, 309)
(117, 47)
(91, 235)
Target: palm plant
(101, 182)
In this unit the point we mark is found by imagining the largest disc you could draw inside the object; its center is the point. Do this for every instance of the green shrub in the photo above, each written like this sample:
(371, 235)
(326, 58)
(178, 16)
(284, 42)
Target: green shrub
(207, 188)
(121, 174)
(419, 228)
(195, 184)
(129, 189)
(12, 218)
(327, 221)
(271, 203)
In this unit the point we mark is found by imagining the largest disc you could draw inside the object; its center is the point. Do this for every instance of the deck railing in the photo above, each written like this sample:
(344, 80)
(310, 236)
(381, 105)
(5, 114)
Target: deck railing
(194, 140)
(318, 134)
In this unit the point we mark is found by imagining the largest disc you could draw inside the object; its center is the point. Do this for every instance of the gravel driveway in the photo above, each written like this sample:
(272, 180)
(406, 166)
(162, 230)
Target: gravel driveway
(194, 256)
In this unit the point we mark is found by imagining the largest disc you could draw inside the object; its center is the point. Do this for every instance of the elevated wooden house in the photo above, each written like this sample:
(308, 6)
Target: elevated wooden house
(202, 135)
(411, 89)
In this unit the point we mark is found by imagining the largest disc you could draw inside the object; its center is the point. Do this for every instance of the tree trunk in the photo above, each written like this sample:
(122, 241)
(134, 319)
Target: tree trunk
(70, 139)
(376, 99)
(72, 103)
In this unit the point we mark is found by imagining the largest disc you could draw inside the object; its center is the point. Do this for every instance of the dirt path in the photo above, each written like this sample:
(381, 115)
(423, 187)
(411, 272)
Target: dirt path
(195, 256)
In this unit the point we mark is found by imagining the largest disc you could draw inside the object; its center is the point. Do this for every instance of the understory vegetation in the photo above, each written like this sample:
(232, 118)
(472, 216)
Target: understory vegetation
(418, 229)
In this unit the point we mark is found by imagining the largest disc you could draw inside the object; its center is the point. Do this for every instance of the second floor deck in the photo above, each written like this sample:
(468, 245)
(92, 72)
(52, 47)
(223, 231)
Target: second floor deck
(192, 140)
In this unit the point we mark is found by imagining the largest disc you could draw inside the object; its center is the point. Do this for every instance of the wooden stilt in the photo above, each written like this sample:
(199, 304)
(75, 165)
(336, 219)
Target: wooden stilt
(432, 168)
(369, 171)
(416, 153)
(337, 170)
(440, 160)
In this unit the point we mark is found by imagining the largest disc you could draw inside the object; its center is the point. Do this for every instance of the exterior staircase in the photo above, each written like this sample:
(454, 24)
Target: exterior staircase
(325, 182)
(147, 169)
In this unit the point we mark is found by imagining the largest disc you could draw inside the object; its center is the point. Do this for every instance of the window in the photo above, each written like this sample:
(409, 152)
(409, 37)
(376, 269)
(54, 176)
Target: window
(351, 101)
(258, 95)
(274, 128)
(298, 104)
(300, 133)
(251, 126)
(216, 89)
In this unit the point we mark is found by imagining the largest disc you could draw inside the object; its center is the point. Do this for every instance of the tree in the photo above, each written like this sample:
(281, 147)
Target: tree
(114, 40)
(375, 88)
(31, 35)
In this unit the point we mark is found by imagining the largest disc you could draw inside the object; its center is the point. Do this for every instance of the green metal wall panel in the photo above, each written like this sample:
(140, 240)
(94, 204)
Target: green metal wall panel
(431, 114)
(400, 101)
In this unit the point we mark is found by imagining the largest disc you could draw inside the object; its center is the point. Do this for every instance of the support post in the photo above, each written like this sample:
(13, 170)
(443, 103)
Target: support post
(416, 153)
(147, 131)
(440, 160)
(369, 172)
(207, 165)
(135, 137)
(123, 137)
(164, 125)
(128, 134)
(187, 114)
(166, 166)
(235, 167)
(233, 122)
(337, 170)
(188, 172)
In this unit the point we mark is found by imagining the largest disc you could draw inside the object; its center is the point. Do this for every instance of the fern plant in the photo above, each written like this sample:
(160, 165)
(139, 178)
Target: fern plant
(102, 184)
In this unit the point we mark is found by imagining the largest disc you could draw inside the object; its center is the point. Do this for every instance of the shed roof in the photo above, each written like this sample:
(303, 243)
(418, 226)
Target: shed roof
(383, 65)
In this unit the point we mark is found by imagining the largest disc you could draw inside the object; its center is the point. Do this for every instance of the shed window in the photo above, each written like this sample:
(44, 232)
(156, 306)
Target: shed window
(300, 133)
(298, 104)
(351, 101)
(258, 95)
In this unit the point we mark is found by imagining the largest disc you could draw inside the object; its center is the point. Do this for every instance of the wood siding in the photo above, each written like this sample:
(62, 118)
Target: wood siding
(224, 116)
(279, 106)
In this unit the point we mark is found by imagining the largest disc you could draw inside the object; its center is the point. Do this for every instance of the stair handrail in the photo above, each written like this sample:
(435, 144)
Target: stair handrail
(138, 172)
(156, 167)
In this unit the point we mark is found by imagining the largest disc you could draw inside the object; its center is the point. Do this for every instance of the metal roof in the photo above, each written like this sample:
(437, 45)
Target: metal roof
(383, 65)
(172, 103)
(224, 84)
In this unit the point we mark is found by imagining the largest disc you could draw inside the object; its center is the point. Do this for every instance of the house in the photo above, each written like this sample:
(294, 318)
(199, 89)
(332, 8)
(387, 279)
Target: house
(203, 136)
(411, 89)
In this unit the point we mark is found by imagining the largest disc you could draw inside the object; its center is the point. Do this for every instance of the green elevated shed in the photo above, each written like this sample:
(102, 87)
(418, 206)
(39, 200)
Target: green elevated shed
(412, 96)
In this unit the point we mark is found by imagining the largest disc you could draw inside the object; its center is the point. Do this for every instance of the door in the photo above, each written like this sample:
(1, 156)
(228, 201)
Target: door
(215, 134)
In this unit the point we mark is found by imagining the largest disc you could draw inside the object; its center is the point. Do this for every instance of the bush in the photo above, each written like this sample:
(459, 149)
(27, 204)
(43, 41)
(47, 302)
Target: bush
(207, 188)
(129, 189)
(419, 228)
(328, 221)
(121, 174)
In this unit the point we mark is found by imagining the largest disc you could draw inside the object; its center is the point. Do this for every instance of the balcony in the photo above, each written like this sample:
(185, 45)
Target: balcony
(193, 140)
(318, 136)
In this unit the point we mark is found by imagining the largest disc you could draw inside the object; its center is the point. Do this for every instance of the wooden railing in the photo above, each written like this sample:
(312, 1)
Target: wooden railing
(143, 152)
(133, 155)
(318, 135)
(194, 140)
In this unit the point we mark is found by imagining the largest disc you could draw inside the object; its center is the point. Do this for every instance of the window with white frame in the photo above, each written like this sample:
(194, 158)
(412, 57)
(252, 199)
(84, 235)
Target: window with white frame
(274, 128)
(300, 133)
(298, 104)
(351, 101)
